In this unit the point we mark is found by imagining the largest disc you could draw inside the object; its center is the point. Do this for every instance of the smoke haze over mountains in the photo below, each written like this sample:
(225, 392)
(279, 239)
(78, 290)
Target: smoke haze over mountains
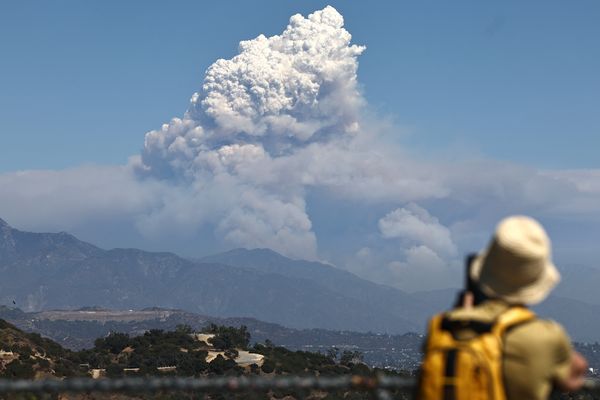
(279, 149)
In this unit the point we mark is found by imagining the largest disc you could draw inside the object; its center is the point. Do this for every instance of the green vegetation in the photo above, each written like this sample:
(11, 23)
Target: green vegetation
(155, 352)
(227, 337)
(180, 353)
(19, 369)
(122, 355)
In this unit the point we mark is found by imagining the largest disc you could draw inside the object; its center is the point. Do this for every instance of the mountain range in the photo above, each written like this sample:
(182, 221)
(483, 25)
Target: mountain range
(57, 271)
(43, 271)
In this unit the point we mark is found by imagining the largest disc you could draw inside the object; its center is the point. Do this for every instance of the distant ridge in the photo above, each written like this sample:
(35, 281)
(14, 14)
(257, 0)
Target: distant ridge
(381, 297)
(58, 271)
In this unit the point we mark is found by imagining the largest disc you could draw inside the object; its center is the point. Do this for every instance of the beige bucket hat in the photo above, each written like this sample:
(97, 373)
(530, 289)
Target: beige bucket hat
(516, 266)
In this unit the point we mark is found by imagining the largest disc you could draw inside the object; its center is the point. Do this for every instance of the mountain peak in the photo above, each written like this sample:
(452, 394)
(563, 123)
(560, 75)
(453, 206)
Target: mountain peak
(257, 251)
(4, 224)
(260, 255)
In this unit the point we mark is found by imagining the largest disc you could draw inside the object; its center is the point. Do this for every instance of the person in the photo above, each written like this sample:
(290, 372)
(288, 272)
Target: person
(513, 272)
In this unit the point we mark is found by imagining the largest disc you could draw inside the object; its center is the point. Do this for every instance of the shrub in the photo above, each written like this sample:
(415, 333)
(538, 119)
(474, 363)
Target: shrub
(268, 366)
(114, 371)
(114, 343)
(17, 369)
(220, 365)
(227, 337)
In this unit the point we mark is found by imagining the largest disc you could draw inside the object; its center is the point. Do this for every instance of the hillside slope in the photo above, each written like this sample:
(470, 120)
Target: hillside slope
(28, 355)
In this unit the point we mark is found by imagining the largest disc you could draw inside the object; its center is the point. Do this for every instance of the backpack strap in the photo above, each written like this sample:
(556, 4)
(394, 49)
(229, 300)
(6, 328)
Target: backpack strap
(511, 318)
(441, 338)
(453, 325)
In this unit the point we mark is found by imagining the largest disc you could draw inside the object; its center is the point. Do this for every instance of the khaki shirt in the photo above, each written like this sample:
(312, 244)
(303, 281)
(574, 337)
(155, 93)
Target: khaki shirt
(537, 353)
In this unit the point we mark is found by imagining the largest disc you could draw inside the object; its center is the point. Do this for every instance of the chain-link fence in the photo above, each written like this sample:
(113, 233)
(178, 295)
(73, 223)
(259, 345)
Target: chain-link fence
(381, 387)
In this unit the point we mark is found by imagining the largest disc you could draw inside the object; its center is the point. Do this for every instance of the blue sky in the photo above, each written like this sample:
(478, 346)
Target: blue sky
(459, 114)
(83, 81)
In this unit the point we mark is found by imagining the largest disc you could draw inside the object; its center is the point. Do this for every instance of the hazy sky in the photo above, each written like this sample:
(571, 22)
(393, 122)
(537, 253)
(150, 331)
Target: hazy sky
(454, 115)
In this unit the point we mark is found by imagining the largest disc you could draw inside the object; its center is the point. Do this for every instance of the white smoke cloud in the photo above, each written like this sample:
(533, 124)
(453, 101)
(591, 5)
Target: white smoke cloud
(264, 221)
(426, 247)
(63, 200)
(279, 93)
(416, 226)
(248, 132)
(423, 269)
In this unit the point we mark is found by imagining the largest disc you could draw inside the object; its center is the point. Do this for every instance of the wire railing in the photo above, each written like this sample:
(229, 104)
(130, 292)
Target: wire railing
(381, 386)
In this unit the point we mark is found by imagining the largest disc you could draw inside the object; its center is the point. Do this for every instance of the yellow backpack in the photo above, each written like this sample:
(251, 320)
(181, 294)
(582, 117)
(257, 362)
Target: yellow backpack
(455, 369)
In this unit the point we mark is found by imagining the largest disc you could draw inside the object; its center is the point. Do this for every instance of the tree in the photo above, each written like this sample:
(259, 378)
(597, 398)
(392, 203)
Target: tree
(227, 337)
(184, 329)
(220, 365)
(231, 353)
(333, 353)
(115, 342)
(18, 369)
(351, 357)
(268, 366)
(114, 371)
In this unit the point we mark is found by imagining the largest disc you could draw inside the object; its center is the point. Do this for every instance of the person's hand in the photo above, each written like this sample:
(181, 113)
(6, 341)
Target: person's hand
(468, 300)
(579, 367)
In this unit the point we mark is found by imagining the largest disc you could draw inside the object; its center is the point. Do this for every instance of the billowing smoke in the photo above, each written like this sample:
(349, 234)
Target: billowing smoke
(277, 95)
(242, 136)
(416, 227)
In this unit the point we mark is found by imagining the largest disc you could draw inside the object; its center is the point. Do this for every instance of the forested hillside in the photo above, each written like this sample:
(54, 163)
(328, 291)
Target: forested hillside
(217, 351)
